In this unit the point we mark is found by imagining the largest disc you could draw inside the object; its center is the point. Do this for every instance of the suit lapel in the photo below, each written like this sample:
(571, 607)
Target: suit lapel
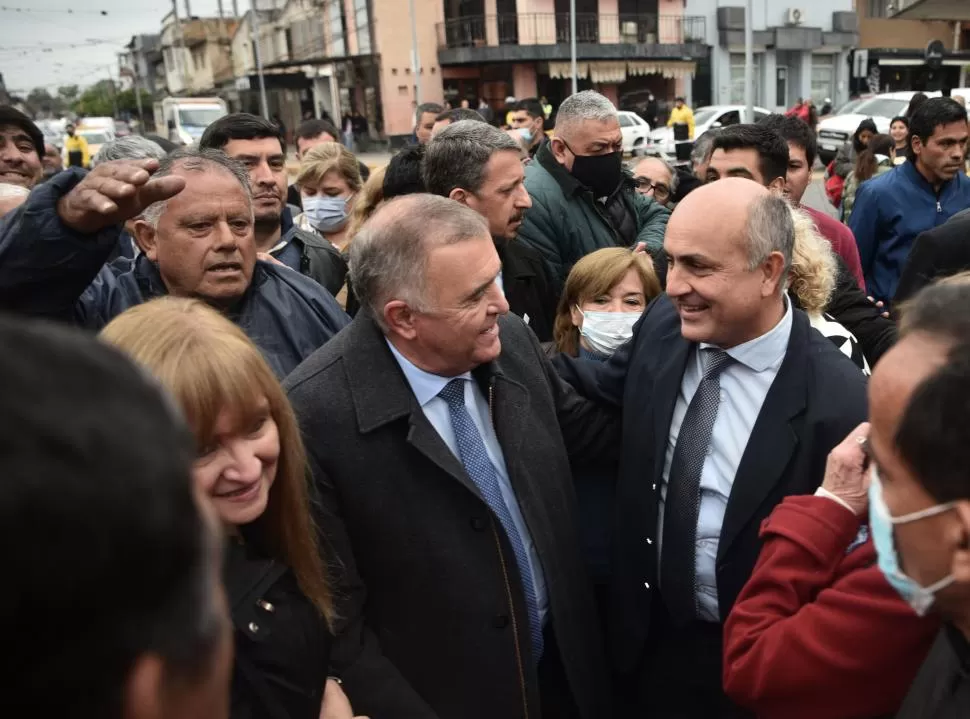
(773, 439)
(382, 395)
(665, 392)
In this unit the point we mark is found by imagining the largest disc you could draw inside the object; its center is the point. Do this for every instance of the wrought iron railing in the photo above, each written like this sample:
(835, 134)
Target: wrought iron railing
(554, 29)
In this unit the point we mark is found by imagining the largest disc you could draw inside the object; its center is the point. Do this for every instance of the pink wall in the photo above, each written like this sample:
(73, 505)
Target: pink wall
(351, 24)
(611, 92)
(524, 81)
(393, 43)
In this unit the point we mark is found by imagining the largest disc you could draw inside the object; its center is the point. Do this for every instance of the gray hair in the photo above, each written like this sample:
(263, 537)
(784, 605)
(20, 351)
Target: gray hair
(703, 146)
(674, 179)
(584, 106)
(770, 228)
(195, 160)
(457, 155)
(389, 256)
(133, 147)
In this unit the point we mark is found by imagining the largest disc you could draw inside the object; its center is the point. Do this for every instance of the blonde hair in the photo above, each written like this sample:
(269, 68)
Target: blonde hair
(370, 197)
(594, 275)
(811, 279)
(208, 365)
(329, 157)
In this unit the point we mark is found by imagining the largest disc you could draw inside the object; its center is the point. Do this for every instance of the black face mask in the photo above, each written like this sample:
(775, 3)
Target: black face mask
(600, 173)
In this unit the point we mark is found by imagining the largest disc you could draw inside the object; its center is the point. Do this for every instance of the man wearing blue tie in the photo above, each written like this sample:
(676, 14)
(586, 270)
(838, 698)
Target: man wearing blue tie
(731, 401)
(440, 440)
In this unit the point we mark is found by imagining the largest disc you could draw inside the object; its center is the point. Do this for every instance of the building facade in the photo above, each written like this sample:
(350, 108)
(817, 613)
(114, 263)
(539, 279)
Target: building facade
(196, 54)
(801, 50)
(141, 65)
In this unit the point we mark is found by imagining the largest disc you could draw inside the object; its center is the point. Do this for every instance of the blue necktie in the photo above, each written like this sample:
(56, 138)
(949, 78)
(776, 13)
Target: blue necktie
(471, 449)
(678, 577)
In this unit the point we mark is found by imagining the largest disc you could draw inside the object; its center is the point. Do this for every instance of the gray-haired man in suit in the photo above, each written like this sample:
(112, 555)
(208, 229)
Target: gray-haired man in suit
(440, 439)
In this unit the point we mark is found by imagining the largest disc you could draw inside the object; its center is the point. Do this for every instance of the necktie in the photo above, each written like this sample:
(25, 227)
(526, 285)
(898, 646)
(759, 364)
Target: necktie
(471, 450)
(677, 569)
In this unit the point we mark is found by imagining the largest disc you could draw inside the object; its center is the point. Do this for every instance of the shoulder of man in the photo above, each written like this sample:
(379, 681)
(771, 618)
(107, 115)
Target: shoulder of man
(315, 370)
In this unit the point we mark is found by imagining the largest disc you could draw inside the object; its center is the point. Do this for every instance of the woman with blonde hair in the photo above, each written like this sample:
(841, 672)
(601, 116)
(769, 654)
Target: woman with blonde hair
(368, 200)
(812, 281)
(252, 468)
(603, 297)
(329, 180)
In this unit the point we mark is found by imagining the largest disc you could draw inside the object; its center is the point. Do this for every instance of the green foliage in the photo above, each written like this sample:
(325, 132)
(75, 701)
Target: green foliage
(104, 99)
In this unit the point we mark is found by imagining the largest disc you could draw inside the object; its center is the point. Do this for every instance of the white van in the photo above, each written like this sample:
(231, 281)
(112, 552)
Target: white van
(835, 130)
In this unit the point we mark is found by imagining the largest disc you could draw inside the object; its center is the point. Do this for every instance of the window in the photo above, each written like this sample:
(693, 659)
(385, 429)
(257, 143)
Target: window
(877, 8)
(729, 118)
(823, 78)
(362, 22)
(737, 78)
(625, 121)
(338, 46)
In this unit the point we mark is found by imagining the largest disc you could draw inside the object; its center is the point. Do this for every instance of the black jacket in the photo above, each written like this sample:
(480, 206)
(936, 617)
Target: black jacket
(525, 281)
(818, 396)
(319, 260)
(432, 617)
(49, 270)
(941, 690)
(282, 644)
(940, 252)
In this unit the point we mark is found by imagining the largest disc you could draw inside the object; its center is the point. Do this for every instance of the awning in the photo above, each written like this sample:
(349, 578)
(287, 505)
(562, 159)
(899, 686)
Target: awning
(933, 10)
(613, 72)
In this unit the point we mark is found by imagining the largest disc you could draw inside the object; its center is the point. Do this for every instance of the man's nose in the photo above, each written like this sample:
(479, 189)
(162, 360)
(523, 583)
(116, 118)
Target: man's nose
(676, 286)
(223, 237)
(522, 198)
(497, 301)
(262, 173)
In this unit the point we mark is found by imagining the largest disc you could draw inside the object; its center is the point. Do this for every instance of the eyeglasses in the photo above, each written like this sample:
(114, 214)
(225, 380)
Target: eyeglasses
(660, 191)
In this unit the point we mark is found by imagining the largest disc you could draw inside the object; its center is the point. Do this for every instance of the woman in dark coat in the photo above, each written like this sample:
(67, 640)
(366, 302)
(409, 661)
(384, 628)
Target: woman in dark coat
(251, 467)
(845, 160)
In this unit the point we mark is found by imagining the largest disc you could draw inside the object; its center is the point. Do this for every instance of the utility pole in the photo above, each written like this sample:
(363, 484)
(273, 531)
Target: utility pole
(416, 58)
(749, 63)
(572, 45)
(264, 108)
(179, 43)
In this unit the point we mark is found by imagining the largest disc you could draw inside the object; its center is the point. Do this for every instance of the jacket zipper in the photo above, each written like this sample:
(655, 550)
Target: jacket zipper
(505, 575)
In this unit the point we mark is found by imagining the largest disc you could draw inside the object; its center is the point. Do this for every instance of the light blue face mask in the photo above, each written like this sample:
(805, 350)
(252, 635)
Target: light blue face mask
(326, 214)
(527, 134)
(881, 525)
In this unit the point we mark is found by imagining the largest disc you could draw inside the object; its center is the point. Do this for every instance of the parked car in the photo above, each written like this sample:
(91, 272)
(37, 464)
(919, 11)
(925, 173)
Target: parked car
(661, 140)
(835, 130)
(634, 130)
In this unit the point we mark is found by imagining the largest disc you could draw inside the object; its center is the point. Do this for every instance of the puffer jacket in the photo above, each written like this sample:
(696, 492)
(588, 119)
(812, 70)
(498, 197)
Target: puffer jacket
(566, 223)
(50, 270)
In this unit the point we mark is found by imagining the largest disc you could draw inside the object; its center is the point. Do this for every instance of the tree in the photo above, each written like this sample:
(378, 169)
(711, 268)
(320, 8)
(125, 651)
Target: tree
(68, 93)
(98, 100)
(40, 101)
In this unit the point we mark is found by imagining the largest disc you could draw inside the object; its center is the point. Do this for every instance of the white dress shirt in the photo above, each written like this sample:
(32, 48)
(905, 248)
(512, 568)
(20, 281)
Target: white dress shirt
(744, 386)
(426, 387)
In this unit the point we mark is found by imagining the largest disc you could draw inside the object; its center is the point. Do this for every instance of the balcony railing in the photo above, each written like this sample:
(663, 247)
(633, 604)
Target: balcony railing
(554, 29)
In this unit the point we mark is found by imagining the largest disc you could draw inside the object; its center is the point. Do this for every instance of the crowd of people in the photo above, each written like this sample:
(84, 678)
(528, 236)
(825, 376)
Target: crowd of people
(504, 428)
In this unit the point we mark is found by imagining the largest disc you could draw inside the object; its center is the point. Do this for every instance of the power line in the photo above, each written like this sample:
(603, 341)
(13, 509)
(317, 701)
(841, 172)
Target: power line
(72, 11)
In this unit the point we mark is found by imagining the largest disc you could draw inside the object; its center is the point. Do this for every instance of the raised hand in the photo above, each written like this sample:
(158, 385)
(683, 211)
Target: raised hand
(115, 192)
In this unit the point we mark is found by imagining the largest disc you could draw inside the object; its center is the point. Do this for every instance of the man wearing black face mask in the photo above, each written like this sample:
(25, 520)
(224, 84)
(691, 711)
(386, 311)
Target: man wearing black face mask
(582, 199)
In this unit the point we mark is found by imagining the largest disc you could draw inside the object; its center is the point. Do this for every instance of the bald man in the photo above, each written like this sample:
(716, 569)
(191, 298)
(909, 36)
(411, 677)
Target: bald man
(731, 401)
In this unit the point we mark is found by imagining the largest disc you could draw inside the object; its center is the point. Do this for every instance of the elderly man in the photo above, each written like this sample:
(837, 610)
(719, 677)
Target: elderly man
(731, 402)
(258, 144)
(440, 439)
(919, 496)
(21, 148)
(582, 200)
(131, 147)
(478, 165)
(655, 178)
(92, 455)
(195, 231)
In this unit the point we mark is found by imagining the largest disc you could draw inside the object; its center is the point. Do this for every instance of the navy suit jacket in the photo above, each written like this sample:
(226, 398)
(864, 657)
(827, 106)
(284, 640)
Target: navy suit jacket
(818, 397)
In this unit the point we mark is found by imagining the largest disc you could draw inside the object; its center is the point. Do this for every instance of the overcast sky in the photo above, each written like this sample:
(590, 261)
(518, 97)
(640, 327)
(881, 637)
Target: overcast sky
(24, 36)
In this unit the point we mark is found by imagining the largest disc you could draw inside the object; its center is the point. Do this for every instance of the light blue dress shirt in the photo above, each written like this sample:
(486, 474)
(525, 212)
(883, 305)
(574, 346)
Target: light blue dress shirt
(426, 387)
(744, 386)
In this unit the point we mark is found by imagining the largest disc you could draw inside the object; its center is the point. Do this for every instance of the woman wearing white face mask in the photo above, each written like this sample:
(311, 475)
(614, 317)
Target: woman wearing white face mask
(604, 296)
(329, 181)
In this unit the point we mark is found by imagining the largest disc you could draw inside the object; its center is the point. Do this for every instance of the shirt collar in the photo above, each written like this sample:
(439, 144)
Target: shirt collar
(426, 386)
(765, 351)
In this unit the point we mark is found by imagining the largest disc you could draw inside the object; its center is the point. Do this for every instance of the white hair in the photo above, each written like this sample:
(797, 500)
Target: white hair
(770, 227)
(584, 106)
(132, 147)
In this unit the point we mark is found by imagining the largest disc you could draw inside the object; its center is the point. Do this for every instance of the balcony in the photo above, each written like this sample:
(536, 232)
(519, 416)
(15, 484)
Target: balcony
(546, 36)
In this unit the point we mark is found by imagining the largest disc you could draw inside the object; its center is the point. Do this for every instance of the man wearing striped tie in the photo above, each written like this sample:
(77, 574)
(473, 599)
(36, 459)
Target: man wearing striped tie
(440, 438)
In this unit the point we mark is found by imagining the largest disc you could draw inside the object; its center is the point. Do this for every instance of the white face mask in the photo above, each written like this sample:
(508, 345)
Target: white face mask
(606, 332)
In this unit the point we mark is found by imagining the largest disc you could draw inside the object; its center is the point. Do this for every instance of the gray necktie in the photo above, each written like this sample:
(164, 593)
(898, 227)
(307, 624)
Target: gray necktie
(678, 580)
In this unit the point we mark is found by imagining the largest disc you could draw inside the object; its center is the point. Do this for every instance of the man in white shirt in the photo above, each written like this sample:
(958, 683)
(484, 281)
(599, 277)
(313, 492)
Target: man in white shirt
(730, 402)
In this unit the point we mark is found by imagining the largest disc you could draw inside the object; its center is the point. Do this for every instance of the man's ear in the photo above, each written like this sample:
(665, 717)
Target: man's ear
(459, 195)
(399, 319)
(146, 237)
(774, 274)
(777, 186)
